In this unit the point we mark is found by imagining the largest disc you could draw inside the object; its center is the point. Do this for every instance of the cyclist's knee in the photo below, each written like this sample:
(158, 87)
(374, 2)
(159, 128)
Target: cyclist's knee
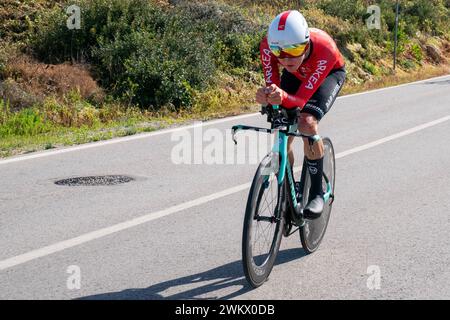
(307, 124)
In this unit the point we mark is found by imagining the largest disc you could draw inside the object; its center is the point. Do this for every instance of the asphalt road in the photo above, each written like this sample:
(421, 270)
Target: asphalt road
(175, 231)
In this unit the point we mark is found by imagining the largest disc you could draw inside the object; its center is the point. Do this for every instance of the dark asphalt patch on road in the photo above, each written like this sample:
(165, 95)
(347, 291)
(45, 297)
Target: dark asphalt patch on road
(109, 180)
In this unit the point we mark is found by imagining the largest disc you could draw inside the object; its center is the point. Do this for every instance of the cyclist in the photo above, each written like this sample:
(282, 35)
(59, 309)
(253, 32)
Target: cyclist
(313, 74)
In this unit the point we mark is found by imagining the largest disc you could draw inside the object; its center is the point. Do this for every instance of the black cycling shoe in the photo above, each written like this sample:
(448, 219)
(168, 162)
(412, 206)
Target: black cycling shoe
(314, 208)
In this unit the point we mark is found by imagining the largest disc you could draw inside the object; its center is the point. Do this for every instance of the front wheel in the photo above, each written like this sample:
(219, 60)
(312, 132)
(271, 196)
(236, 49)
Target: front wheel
(311, 234)
(263, 224)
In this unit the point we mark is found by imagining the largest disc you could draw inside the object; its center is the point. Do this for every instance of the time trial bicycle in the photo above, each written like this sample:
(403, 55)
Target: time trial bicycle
(274, 206)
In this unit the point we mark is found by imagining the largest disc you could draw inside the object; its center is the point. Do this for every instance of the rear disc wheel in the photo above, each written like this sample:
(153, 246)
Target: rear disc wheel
(313, 231)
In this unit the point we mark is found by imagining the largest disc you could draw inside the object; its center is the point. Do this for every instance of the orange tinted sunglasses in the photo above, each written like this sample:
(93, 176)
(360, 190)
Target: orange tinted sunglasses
(294, 50)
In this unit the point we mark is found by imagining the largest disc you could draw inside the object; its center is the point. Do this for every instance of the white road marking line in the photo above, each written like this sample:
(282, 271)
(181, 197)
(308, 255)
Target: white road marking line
(45, 251)
(164, 131)
(393, 87)
(392, 137)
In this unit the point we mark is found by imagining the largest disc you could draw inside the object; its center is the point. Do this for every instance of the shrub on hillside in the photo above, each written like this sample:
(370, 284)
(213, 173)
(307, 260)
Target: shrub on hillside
(428, 16)
(17, 18)
(157, 71)
(431, 16)
(150, 55)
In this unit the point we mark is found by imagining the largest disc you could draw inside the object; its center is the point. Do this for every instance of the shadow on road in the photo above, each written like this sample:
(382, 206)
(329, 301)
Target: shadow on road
(199, 285)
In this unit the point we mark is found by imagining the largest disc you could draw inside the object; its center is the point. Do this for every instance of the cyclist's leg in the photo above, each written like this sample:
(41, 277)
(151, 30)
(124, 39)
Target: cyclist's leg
(293, 115)
(314, 110)
(291, 150)
(290, 84)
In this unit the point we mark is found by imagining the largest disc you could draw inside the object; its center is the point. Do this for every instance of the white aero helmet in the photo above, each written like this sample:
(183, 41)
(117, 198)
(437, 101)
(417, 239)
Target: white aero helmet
(288, 30)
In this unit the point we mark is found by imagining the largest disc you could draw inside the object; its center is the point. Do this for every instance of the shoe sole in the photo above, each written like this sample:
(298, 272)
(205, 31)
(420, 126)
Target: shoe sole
(311, 215)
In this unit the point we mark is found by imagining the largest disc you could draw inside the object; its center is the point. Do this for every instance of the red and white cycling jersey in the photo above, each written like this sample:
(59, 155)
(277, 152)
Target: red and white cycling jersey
(324, 56)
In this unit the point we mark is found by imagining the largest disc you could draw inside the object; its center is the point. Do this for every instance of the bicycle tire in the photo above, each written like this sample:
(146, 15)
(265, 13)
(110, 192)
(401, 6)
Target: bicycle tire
(312, 233)
(256, 274)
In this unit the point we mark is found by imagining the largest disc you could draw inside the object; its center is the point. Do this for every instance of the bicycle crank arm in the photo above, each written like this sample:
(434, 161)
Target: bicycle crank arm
(297, 216)
(268, 219)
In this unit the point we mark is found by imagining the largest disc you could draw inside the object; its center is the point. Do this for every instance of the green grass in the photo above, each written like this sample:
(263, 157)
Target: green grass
(57, 124)
(59, 137)
(371, 68)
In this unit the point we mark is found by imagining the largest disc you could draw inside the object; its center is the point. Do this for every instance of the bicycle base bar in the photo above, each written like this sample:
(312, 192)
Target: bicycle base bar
(283, 129)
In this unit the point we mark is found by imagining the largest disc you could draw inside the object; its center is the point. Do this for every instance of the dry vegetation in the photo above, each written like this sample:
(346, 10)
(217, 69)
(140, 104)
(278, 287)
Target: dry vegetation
(40, 80)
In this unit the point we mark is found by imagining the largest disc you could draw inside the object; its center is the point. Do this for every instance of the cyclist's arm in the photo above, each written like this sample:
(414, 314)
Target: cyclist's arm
(269, 64)
(324, 63)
